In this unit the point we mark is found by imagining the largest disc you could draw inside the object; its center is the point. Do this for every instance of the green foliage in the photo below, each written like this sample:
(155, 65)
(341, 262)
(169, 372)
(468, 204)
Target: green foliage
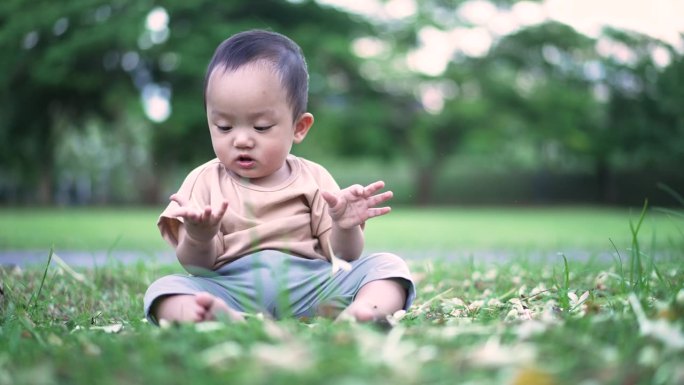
(60, 64)
(648, 131)
(544, 97)
(69, 64)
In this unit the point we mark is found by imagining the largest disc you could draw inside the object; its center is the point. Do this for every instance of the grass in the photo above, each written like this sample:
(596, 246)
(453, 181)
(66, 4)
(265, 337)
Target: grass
(80, 229)
(436, 229)
(474, 322)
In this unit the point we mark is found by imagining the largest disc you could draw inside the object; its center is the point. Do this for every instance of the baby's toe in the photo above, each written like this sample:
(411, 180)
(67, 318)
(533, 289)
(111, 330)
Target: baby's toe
(205, 300)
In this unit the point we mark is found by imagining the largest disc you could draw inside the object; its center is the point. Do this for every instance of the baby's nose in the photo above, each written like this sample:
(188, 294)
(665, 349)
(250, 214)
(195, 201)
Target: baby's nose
(242, 140)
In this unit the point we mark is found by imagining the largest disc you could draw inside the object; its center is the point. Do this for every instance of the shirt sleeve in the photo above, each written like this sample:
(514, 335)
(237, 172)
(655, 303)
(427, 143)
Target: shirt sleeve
(194, 190)
(321, 222)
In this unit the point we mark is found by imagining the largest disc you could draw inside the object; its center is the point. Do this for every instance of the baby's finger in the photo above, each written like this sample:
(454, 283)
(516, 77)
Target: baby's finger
(329, 198)
(378, 211)
(206, 214)
(223, 208)
(220, 213)
(358, 190)
(193, 215)
(380, 198)
(373, 187)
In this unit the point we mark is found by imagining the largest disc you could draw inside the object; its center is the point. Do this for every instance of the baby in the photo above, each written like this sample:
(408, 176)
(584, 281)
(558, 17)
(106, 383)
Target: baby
(257, 228)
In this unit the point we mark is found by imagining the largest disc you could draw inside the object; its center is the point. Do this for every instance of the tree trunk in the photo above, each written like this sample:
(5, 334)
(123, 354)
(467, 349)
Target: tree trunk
(45, 187)
(604, 182)
(425, 180)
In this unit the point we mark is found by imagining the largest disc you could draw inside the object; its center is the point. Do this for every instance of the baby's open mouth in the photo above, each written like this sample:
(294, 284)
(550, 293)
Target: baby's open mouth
(245, 161)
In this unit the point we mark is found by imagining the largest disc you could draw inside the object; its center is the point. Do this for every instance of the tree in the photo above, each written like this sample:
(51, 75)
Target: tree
(58, 64)
(644, 108)
(550, 90)
(67, 63)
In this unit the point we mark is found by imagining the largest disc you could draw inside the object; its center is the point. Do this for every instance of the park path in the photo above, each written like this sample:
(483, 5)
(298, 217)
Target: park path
(87, 259)
(78, 258)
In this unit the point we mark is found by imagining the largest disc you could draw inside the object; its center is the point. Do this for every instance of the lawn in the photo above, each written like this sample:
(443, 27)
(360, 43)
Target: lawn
(616, 321)
(434, 230)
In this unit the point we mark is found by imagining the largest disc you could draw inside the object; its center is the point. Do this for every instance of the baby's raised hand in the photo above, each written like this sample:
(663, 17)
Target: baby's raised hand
(355, 204)
(200, 224)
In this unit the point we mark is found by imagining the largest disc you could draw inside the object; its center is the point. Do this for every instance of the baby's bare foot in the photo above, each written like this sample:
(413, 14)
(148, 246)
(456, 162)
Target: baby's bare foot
(363, 312)
(216, 308)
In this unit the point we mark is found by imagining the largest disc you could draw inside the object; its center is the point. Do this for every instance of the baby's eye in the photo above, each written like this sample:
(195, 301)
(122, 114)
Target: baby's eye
(262, 128)
(224, 128)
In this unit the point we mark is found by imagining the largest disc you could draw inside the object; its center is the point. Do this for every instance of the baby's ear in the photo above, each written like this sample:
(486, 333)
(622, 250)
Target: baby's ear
(302, 126)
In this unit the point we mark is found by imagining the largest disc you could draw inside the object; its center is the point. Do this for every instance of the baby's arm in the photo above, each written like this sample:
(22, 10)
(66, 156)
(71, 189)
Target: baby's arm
(349, 209)
(197, 242)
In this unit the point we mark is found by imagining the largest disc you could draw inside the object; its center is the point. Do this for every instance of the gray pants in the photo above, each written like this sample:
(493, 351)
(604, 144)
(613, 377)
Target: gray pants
(283, 285)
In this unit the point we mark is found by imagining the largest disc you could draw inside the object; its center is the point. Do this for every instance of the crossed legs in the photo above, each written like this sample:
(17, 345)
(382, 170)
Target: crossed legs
(374, 301)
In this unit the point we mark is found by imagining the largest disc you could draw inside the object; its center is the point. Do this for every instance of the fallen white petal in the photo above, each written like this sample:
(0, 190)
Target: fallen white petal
(670, 335)
(210, 326)
(114, 328)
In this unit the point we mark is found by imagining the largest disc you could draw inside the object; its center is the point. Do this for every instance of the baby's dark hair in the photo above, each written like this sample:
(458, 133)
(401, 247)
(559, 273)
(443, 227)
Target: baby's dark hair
(279, 50)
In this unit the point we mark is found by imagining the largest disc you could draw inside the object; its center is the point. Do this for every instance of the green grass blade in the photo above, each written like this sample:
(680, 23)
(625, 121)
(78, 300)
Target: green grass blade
(672, 192)
(620, 267)
(563, 291)
(636, 272)
(566, 270)
(36, 295)
(671, 212)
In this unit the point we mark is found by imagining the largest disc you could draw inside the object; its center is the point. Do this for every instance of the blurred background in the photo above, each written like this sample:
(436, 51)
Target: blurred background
(471, 102)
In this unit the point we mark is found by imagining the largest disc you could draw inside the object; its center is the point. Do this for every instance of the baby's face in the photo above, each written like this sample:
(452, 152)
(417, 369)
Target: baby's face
(251, 124)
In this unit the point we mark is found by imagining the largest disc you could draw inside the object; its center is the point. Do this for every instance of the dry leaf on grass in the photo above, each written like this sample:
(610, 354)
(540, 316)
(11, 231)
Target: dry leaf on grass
(533, 376)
